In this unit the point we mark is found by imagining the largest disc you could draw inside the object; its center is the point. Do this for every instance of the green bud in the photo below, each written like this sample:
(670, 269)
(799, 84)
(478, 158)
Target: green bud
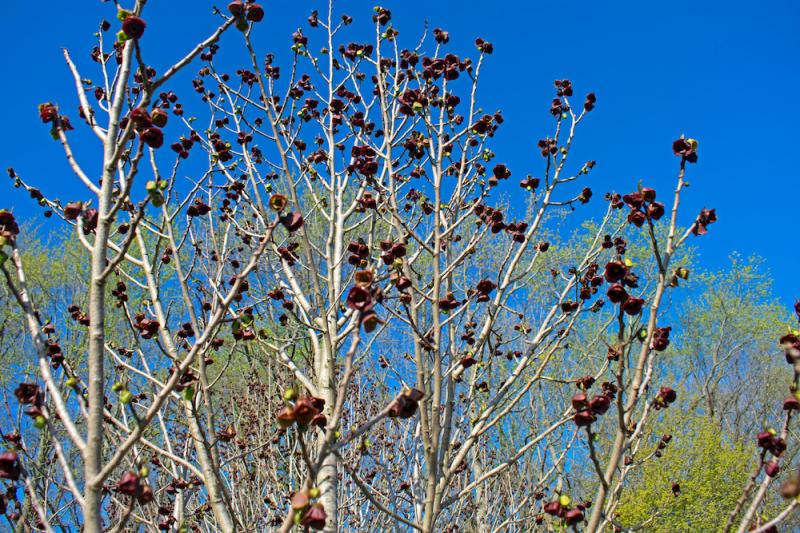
(40, 422)
(188, 394)
(126, 397)
(72, 382)
(290, 395)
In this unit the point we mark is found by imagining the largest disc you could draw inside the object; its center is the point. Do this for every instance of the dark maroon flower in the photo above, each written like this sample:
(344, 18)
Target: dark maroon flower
(685, 148)
(584, 418)
(48, 112)
(590, 102)
(529, 183)
(198, 208)
(637, 218)
(797, 309)
(617, 293)
(72, 210)
(152, 137)
(359, 299)
(791, 403)
(236, 8)
(667, 394)
(255, 12)
(159, 117)
(573, 516)
(772, 468)
(554, 508)
(676, 489)
(140, 118)
(29, 394)
(635, 200)
(9, 466)
(292, 221)
(484, 46)
(485, 286)
(315, 517)
(661, 339)
(370, 321)
(579, 401)
(305, 409)
(501, 172)
(615, 271)
(468, 361)
(600, 404)
(128, 484)
(706, 217)
(405, 405)
(441, 36)
(633, 306)
(655, 210)
(382, 16)
(764, 439)
(133, 27)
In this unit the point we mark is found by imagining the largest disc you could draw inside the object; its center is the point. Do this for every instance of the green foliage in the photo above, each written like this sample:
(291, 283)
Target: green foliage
(710, 468)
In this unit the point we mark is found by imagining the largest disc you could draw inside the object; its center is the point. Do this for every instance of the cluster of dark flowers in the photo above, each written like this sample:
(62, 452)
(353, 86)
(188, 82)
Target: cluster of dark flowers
(643, 206)
(245, 13)
(588, 410)
(131, 484)
(309, 515)
(562, 508)
(304, 411)
(363, 297)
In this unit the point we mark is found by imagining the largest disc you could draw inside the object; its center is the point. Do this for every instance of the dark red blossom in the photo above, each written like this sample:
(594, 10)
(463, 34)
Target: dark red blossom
(29, 394)
(584, 418)
(637, 218)
(633, 306)
(359, 299)
(152, 137)
(9, 466)
(315, 517)
(661, 339)
(616, 293)
(306, 408)
(706, 217)
(236, 8)
(441, 36)
(128, 484)
(772, 468)
(292, 221)
(255, 12)
(686, 148)
(48, 112)
(615, 271)
(573, 516)
(655, 210)
(405, 405)
(72, 210)
(133, 27)
(791, 403)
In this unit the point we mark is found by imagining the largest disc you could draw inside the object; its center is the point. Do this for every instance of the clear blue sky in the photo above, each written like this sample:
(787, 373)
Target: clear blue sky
(724, 72)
